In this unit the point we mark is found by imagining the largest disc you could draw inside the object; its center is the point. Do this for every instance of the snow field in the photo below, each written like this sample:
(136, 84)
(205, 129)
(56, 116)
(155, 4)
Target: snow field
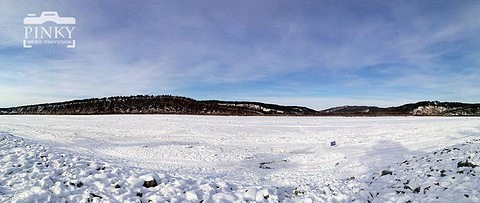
(237, 159)
(35, 173)
(32, 173)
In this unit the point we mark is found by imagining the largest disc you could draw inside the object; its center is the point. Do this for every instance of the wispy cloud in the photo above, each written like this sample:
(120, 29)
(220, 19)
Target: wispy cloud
(373, 51)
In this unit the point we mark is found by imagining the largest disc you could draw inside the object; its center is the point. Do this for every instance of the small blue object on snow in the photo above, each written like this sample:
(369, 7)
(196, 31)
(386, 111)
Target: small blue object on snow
(333, 143)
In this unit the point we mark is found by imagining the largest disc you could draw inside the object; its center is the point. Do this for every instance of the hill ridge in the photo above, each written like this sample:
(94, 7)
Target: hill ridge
(168, 104)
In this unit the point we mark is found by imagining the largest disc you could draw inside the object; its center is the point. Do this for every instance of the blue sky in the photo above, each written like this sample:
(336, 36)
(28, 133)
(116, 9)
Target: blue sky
(318, 54)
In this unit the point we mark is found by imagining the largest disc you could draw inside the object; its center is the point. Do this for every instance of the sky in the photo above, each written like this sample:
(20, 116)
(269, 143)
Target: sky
(318, 54)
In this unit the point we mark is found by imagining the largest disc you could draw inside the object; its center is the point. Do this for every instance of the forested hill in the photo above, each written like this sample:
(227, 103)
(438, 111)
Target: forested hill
(167, 104)
(162, 104)
(424, 108)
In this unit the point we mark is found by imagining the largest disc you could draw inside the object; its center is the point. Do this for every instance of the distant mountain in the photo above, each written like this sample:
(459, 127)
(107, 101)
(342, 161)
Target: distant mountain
(163, 104)
(350, 109)
(167, 104)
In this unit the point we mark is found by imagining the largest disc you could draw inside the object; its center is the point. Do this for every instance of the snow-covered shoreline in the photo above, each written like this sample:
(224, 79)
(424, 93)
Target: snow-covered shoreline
(237, 159)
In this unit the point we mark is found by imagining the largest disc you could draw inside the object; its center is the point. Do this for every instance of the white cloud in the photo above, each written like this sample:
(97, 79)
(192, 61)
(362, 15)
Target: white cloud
(178, 47)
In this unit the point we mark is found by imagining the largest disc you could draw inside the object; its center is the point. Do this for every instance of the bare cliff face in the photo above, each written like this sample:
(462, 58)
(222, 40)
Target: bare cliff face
(447, 109)
(429, 110)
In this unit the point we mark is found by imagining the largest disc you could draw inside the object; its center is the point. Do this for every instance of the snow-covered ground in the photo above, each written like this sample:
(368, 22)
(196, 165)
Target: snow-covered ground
(220, 159)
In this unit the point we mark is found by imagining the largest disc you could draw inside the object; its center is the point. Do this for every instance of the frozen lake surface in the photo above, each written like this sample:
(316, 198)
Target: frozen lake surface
(247, 151)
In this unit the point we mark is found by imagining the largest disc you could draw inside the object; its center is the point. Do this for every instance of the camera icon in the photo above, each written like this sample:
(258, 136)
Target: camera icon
(48, 16)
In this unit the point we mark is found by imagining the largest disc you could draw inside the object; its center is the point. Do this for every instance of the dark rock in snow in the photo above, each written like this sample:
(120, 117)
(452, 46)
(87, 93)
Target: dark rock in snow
(385, 172)
(150, 183)
(94, 195)
(466, 164)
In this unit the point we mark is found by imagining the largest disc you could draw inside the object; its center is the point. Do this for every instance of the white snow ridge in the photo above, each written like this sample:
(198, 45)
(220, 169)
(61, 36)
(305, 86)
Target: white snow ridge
(238, 159)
